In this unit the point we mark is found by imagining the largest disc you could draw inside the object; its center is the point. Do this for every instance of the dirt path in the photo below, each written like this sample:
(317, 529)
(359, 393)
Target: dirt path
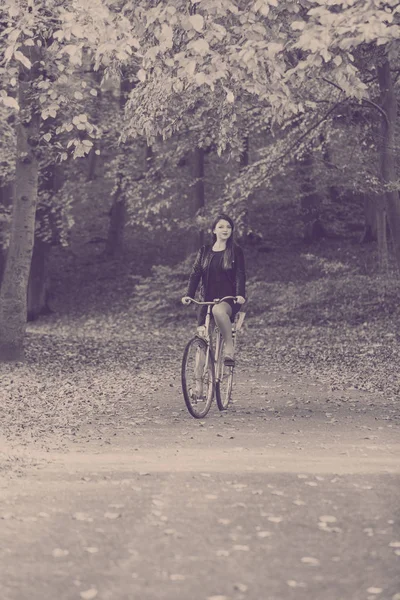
(293, 493)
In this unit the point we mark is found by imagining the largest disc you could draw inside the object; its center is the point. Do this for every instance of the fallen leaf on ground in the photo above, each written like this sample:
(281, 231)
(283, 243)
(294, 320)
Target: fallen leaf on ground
(294, 584)
(241, 587)
(309, 560)
(80, 516)
(328, 519)
(263, 534)
(89, 594)
(58, 553)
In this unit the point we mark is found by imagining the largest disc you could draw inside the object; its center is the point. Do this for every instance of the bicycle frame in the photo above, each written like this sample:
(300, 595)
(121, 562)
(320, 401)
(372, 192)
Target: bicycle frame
(208, 358)
(208, 334)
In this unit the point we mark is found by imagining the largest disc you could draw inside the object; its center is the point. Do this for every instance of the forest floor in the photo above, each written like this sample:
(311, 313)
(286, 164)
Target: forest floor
(110, 490)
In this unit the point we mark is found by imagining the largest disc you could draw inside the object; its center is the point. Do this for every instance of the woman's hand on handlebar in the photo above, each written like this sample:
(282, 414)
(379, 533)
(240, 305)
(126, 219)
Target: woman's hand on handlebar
(240, 300)
(186, 300)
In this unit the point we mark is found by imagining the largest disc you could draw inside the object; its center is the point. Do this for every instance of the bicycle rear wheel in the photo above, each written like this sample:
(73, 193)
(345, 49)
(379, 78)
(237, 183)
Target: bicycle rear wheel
(224, 383)
(198, 372)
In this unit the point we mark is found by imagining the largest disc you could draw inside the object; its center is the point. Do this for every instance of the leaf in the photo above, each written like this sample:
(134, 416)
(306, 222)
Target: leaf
(23, 59)
(200, 78)
(309, 560)
(263, 534)
(112, 515)
(10, 102)
(141, 75)
(230, 97)
(200, 46)
(78, 95)
(374, 590)
(80, 516)
(190, 67)
(197, 22)
(222, 553)
(59, 553)
(298, 25)
(328, 519)
(89, 594)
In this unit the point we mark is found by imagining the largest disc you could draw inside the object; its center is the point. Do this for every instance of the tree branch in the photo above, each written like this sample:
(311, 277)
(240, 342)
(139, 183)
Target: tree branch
(370, 102)
(299, 140)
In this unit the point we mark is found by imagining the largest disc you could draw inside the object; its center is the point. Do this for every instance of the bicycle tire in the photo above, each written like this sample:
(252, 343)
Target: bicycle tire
(198, 409)
(224, 384)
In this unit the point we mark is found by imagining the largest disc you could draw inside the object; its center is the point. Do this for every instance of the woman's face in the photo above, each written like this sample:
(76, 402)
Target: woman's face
(223, 230)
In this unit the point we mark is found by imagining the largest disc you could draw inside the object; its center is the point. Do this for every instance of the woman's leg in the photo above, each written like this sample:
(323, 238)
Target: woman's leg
(222, 314)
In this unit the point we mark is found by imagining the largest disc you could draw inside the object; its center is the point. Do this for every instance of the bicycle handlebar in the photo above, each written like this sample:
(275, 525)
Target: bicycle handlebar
(216, 301)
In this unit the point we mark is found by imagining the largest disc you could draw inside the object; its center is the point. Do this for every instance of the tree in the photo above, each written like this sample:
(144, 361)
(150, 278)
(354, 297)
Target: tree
(42, 45)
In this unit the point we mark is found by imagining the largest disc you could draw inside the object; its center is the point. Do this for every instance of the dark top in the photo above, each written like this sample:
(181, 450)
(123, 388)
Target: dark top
(201, 272)
(219, 282)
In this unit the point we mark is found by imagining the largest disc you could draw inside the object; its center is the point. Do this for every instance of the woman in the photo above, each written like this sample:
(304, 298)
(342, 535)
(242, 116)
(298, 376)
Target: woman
(220, 267)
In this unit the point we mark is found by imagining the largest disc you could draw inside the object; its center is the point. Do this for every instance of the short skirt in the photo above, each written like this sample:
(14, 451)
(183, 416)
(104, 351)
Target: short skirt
(202, 311)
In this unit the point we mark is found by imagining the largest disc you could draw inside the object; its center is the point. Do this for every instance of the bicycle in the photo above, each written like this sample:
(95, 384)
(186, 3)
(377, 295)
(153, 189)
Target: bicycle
(217, 378)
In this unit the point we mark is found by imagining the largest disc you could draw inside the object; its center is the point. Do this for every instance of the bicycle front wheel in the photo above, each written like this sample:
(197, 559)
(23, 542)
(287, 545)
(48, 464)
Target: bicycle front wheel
(224, 383)
(198, 379)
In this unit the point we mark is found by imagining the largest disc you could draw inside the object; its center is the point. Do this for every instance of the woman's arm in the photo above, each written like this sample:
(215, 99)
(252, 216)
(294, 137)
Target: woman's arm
(195, 275)
(240, 273)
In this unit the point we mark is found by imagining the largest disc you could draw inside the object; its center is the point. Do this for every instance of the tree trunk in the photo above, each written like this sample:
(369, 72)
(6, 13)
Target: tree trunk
(6, 193)
(381, 231)
(370, 233)
(387, 152)
(310, 203)
(198, 201)
(51, 180)
(13, 293)
(38, 281)
(118, 211)
(117, 222)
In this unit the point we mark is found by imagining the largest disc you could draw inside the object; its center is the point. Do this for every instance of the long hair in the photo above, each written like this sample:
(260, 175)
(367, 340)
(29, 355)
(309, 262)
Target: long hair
(228, 256)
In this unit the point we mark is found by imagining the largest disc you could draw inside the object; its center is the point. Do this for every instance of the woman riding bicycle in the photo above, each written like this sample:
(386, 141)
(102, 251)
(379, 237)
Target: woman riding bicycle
(221, 269)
